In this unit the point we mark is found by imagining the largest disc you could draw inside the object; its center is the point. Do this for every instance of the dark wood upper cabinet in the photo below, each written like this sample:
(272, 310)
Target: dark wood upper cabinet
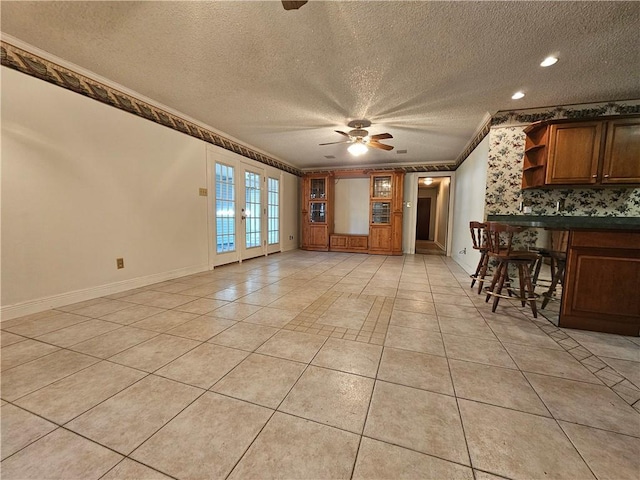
(598, 153)
(622, 152)
(574, 153)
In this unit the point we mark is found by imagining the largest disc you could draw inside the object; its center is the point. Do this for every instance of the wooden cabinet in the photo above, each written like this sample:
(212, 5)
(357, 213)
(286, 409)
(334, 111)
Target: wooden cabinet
(622, 152)
(574, 153)
(317, 211)
(601, 282)
(535, 156)
(598, 153)
(385, 213)
(349, 243)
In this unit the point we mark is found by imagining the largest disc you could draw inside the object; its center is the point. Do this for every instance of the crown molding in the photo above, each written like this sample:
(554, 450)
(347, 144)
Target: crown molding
(481, 132)
(34, 62)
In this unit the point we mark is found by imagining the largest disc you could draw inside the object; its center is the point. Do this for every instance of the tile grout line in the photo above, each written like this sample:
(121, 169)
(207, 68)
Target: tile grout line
(275, 410)
(366, 416)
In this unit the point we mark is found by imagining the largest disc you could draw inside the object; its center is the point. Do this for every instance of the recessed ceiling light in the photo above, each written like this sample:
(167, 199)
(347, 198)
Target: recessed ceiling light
(547, 62)
(517, 95)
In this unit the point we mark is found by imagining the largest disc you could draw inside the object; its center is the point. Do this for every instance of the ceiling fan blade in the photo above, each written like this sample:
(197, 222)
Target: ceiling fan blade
(381, 136)
(290, 5)
(333, 143)
(381, 146)
(343, 133)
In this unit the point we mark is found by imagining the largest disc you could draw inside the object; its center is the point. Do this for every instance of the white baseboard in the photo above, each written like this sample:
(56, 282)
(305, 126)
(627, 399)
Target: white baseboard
(461, 260)
(29, 307)
(286, 247)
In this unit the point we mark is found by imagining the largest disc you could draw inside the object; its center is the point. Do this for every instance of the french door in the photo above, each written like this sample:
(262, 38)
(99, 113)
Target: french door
(252, 213)
(244, 210)
(273, 212)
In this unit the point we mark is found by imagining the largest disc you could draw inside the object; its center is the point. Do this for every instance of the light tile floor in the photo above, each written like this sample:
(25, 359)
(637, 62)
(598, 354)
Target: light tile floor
(315, 365)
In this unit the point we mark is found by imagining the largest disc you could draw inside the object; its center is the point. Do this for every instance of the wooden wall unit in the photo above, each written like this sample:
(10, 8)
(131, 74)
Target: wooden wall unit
(599, 152)
(317, 211)
(385, 214)
(601, 282)
(349, 243)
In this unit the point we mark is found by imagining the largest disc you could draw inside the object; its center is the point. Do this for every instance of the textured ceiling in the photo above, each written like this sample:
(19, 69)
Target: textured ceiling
(282, 81)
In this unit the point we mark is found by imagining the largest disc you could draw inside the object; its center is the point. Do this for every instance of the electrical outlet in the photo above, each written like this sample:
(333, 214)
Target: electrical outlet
(203, 192)
(120, 263)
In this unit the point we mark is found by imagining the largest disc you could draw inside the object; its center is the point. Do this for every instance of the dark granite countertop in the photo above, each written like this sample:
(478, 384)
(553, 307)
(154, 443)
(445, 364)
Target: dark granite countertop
(569, 223)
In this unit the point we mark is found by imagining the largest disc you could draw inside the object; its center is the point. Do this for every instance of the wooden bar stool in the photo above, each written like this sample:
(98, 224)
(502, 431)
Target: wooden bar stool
(479, 239)
(558, 276)
(499, 242)
(556, 253)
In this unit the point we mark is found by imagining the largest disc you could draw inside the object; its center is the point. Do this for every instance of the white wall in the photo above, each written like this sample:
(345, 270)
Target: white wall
(469, 200)
(442, 213)
(351, 212)
(290, 212)
(84, 183)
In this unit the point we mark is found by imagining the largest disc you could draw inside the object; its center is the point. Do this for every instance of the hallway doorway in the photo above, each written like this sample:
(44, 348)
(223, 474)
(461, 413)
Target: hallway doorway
(423, 225)
(432, 215)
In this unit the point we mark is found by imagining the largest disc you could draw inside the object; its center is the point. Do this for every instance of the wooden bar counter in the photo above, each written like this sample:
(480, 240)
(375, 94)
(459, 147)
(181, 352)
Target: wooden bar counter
(601, 290)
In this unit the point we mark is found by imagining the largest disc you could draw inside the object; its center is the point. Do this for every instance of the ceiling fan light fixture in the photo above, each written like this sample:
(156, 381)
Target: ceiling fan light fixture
(357, 149)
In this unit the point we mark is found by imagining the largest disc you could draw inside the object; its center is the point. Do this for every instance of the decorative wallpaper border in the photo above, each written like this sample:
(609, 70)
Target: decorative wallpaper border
(35, 66)
(505, 118)
(399, 168)
(477, 138)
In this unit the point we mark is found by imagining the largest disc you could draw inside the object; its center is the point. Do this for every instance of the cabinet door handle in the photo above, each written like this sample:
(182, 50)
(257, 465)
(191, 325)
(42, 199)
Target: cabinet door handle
(606, 176)
(594, 176)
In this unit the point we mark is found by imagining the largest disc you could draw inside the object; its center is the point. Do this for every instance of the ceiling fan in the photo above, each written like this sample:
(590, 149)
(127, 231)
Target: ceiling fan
(290, 5)
(360, 138)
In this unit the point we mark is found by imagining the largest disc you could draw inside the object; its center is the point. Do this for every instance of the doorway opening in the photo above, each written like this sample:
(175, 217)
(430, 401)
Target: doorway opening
(432, 215)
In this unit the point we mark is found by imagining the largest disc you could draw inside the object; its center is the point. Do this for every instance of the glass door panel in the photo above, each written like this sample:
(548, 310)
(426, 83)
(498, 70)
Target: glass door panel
(380, 212)
(225, 209)
(381, 187)
(273, 214)
(252, 209)
(318, 188)
(317, 212)
(224, 212)
(253, 214)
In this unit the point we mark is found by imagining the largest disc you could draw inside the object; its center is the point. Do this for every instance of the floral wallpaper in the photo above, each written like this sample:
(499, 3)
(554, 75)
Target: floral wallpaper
(504, 186)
